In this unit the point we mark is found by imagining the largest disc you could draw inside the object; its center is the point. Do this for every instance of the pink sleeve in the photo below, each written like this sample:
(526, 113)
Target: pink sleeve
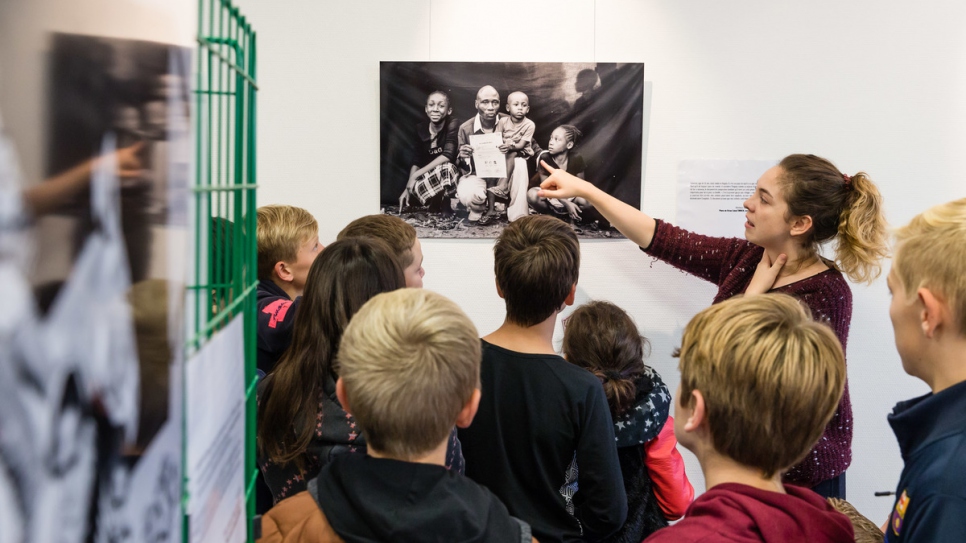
(666, 467)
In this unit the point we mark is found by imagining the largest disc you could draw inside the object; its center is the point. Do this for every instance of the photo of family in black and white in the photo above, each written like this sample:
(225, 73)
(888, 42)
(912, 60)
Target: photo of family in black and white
(465, 145)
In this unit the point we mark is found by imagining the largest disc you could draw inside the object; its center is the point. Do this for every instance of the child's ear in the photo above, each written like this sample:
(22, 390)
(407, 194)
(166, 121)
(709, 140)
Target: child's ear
(697, 415)
(341, 395)
(572, 296)
(465, 418)
(934, 312)
(570, 145)
(498, 289)
(283, 272)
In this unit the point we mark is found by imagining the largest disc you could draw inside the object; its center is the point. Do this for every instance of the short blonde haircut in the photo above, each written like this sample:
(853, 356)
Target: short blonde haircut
(281, 230)
(397, 233)
(931, 253)
(771, 378)
(409, 361)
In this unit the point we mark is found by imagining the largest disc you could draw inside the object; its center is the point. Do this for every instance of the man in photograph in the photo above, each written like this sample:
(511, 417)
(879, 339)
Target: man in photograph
(471, 190)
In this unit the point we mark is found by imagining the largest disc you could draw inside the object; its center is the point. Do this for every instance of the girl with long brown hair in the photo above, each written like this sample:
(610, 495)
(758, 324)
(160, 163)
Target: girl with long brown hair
(301, 423)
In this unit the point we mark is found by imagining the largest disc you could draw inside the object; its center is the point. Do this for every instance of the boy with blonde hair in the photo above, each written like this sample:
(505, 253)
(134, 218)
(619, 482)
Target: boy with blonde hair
(288, 242)
(543, 440)
(759, 382)
(409, 369)
(401, 238)
(928, 313)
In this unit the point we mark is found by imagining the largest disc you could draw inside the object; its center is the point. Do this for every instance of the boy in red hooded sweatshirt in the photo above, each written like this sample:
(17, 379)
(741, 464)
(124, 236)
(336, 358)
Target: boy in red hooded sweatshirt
(759, 381)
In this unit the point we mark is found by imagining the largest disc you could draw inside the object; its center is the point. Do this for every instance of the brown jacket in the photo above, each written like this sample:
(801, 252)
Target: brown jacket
(297, 519)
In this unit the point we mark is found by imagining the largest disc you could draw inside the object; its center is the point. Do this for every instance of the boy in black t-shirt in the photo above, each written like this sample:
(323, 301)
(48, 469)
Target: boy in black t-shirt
(543, 421)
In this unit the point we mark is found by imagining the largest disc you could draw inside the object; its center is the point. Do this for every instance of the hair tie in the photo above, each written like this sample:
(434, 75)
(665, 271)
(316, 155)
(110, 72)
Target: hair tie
(848, 179)
(613, 375)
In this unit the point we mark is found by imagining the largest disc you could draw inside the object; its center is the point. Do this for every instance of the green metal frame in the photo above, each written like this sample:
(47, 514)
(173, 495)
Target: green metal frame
(225, 275)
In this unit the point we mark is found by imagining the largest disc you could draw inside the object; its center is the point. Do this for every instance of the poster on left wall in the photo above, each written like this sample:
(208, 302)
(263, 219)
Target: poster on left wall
(90, 423)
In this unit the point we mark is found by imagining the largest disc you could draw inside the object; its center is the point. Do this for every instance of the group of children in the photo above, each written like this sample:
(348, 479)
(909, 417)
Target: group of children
(387, 418)
(433, 173)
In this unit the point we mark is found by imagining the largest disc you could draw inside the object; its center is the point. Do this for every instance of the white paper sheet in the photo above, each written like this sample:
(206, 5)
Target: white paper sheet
(215, 385)
(711, 194)
(489, 161)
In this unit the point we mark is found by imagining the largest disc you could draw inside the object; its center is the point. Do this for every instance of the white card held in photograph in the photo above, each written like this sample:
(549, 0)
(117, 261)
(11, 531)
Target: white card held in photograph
(489, 161)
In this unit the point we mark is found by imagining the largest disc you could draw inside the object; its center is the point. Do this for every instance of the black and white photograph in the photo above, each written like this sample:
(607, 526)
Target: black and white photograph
(137, 91)
(462, 142)
(91, 413)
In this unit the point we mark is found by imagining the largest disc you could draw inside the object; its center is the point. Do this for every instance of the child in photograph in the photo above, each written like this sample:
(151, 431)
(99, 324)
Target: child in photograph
(601, 338)
(560, 154)
(433, 170)
(759, 381)
(409, 370)
(517, 132)
(928, 313)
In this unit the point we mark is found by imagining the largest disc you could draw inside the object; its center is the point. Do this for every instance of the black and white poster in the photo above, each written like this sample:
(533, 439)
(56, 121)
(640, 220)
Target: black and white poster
(90, 386)
(443, 166)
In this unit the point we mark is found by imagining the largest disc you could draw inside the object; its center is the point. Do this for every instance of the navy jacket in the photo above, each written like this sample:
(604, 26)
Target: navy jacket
(276, 313)
(931, 496)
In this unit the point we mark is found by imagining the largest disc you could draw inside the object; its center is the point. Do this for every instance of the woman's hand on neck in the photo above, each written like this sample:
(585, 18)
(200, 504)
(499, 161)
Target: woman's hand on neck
(800, 263)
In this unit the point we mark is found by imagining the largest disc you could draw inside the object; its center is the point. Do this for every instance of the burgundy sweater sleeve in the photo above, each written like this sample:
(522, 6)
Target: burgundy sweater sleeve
(707, 257)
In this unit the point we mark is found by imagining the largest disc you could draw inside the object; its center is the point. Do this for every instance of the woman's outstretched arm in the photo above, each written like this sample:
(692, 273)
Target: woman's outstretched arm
(632, 222)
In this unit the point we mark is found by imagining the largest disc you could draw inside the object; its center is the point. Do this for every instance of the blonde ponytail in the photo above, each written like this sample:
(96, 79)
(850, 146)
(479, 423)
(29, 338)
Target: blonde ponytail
(862, 240)
(848, 209)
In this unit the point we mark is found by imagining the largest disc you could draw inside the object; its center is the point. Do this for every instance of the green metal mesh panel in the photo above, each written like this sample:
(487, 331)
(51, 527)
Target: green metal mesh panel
(225, 275)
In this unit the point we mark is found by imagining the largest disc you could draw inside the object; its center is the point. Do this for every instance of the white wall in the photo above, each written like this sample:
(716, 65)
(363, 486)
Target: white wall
(874, 86)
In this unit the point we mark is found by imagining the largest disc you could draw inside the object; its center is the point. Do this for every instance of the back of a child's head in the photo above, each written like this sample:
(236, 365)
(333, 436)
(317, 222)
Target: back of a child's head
(537, 261)
(771, 378)
(930, 253)
(602, 338)
(397, 233)
(340, 281)
(409, 362)
(281, 230)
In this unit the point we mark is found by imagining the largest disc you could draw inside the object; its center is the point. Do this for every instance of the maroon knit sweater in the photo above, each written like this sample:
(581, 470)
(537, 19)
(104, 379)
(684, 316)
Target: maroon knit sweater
(730, 263)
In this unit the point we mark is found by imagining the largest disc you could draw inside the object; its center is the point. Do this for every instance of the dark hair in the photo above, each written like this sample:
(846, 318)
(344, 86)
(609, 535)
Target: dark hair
(848, 208)
(537, 261)
(341, 280)
(602, 338)
(572, 132)
(445, 95)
